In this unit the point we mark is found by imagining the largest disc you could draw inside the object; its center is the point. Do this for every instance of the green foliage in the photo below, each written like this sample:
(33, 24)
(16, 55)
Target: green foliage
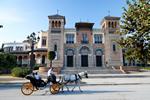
(136, 30)
(7, 61)
(2, 48)
(36, 68)
(51, 55)
(20, 71)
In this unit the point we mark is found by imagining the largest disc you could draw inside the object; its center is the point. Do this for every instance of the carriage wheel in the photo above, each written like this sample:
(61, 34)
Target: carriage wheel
(27, 88)
(54, 88)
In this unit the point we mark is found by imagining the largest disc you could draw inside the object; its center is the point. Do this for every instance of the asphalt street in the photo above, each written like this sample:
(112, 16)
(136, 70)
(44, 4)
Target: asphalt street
(126, 87)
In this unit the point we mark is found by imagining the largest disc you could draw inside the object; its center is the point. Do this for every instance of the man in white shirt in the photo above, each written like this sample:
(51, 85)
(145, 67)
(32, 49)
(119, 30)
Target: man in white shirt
(37, 76)
(51, 75)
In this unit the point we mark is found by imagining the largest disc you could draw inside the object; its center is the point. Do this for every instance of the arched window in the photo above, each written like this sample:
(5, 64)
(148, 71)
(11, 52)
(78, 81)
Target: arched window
(59, 24)
(115, 24)
(109, 24)
(20, 61)
(55, 47)
(43, 59)
(114, 47)
(112, 24)
(52, 24)
(56, 24)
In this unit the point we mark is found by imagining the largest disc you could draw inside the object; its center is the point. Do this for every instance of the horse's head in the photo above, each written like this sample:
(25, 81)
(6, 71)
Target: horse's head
(86, 74)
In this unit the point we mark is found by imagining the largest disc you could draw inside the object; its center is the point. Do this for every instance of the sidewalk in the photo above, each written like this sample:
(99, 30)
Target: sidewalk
(96, 79)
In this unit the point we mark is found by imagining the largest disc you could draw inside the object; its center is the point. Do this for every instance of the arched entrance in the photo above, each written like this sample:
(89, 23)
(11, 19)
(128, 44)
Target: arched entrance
(98, 56)
(43, 59)
(20, 61)
(84, 51)
(70, 54)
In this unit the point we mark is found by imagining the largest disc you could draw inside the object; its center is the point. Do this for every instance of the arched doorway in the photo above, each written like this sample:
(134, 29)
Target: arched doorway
(99, 55)
(20, 61)
(84, 51)
(43, 59)
(70, 54)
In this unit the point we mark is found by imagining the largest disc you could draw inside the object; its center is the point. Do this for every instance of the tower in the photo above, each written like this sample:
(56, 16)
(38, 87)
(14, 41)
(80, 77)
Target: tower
(113, 54)
(56, 38)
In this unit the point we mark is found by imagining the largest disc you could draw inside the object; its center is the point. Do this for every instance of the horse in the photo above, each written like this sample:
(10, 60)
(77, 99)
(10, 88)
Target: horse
(74, 78)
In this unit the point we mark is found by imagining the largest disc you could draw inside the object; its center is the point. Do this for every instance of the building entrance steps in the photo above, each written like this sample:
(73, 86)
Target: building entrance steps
(91, 70)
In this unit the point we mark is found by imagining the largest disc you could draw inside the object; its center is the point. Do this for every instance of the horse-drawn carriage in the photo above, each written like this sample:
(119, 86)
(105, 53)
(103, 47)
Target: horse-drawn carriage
(54, 86)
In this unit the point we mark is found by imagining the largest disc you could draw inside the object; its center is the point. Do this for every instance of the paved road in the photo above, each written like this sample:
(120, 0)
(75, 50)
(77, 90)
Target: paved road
(94, 92)
(108, 88)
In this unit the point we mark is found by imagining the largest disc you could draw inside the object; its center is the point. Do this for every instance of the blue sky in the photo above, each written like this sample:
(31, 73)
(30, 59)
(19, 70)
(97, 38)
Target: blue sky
(22, 17)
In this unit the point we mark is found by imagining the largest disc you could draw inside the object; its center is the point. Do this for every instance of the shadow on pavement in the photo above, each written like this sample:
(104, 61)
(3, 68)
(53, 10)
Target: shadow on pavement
(80, 93)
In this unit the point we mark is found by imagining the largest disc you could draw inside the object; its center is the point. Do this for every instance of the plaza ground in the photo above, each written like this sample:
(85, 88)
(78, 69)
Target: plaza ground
(103, 87)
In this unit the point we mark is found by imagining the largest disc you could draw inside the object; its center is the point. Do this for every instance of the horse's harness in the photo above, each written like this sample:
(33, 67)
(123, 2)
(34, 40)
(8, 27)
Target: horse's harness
(77, 76)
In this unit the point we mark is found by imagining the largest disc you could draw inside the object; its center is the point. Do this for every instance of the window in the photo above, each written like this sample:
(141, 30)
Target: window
(109, 24)
(19, 48)
(114, 47)
(84, 38)
(52, 24)
(55, 47)
(97, 38)
(10, 48)
(115, 24)
(44, 41)
(69, 38)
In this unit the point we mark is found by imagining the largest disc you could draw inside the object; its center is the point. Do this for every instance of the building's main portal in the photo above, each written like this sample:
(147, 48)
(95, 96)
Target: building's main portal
(98, 61)
(99, 56)
(84, 52)
(84, 60)
(69, 61)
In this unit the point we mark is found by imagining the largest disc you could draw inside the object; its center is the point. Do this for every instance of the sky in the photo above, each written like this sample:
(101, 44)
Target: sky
(22, 17)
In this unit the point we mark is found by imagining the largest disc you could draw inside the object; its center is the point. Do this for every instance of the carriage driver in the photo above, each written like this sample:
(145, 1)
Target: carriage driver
(51, 75)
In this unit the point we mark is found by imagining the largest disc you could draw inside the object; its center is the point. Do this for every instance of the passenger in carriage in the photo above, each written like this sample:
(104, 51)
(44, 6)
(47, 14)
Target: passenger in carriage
(39, 82)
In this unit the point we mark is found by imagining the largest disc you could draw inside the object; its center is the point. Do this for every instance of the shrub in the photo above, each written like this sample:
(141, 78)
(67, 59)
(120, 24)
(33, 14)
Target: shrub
(20, 72)
(36, 68)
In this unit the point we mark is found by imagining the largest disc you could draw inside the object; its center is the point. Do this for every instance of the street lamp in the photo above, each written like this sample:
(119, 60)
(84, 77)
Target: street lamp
(32, 40)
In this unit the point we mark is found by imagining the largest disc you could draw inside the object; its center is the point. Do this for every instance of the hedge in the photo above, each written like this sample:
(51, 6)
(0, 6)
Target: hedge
(20, 71)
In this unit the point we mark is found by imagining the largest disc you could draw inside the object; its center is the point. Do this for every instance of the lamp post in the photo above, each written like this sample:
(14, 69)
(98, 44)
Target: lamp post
(32, 40)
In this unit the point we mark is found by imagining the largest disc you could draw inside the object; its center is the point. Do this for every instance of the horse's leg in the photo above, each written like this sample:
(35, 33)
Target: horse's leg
(79, 86)
(62, 88)
(66, 86)
(76, 82)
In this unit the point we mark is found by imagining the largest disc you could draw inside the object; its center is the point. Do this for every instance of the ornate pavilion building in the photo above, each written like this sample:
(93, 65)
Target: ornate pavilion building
(82, 47)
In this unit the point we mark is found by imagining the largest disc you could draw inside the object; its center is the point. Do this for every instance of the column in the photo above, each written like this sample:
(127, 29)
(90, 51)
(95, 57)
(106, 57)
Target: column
(65, 65)
(74, 61)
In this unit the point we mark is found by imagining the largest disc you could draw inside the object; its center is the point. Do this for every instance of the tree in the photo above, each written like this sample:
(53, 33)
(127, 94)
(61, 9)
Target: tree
(51, 56)
(136, 31)
(7, 61)
(2, 48)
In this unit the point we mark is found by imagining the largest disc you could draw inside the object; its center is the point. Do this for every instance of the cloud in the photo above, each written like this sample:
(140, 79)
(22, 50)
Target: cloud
(10, 16)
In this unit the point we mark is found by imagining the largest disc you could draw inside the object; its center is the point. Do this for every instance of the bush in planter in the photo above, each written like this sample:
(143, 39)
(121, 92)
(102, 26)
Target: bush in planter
(20, 72)
(36, 68)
